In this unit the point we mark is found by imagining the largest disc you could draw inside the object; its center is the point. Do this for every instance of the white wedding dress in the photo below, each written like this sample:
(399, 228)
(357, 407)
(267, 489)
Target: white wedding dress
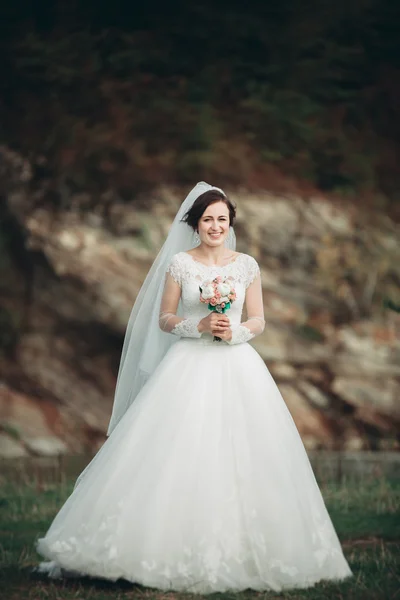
(204, 485)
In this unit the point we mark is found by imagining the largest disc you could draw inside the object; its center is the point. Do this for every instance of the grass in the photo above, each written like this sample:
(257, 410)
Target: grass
(365, 515)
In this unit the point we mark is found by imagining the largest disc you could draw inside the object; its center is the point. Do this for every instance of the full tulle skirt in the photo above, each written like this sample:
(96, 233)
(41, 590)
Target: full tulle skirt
(203, 486)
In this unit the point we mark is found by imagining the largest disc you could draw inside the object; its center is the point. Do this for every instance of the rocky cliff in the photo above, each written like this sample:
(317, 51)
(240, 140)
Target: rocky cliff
(70, 270)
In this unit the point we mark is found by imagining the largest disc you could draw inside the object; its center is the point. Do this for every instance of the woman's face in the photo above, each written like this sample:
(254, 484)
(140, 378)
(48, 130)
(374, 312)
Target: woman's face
(213, 225)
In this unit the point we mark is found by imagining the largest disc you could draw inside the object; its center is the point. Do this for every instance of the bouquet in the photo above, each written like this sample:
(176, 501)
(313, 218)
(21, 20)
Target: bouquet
(218, 294)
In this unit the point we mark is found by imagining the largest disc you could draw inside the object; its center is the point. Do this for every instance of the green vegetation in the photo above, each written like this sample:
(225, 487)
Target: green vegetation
(110, 97)
(365, 516)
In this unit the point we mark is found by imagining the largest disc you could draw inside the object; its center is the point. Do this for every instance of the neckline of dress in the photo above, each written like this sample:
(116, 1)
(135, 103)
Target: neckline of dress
(214, 266)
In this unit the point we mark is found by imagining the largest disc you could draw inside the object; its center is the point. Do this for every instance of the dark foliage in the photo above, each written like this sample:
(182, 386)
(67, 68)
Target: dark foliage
(123, 95)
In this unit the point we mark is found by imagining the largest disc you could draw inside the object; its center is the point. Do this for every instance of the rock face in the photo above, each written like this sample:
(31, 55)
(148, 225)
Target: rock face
(70, 275)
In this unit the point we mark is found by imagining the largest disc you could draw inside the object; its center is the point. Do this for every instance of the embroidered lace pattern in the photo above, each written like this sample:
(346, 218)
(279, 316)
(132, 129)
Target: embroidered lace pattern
(240, 334)
(187, 328)
(98, 552)
(190, 274)
(183, 266)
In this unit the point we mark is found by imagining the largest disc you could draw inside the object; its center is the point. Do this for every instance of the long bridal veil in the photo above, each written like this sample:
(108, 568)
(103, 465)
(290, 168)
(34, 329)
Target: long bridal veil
(145, 344)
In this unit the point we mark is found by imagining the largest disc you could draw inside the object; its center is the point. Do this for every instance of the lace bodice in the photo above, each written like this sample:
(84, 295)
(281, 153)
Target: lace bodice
(190, 274)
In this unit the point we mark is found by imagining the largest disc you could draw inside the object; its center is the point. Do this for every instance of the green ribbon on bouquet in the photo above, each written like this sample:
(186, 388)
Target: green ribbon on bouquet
(220, 311)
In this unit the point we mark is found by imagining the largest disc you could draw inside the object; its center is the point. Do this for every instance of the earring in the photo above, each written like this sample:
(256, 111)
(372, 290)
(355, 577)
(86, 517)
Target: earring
(196, 238)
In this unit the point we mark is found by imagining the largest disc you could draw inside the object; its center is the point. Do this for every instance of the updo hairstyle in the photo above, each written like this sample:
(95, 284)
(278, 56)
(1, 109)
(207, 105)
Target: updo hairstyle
(201, 203)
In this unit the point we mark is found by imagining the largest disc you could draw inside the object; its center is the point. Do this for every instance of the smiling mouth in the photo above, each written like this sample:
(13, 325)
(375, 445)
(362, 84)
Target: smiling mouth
(215, 235)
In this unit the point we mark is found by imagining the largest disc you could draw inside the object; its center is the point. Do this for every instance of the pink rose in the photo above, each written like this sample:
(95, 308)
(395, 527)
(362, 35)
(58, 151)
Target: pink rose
(213, 301)
(223, 305)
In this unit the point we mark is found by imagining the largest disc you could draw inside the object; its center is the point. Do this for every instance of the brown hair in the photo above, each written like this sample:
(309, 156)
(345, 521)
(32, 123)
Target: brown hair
(194, 214)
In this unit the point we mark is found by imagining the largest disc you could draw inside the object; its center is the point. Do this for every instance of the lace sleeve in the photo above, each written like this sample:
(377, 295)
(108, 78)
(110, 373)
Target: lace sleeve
(254, 307)
(168, 319)
(253, 271)
(175, 269)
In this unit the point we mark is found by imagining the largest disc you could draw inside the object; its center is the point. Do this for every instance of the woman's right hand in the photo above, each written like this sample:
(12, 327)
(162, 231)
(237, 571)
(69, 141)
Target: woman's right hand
(214, 322)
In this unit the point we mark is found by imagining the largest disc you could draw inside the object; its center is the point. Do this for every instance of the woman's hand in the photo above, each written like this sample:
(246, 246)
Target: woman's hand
(226, 335)
(216, 324)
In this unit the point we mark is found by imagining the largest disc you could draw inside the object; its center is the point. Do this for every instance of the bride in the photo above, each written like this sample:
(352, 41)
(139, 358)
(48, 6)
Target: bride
(203, 484)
